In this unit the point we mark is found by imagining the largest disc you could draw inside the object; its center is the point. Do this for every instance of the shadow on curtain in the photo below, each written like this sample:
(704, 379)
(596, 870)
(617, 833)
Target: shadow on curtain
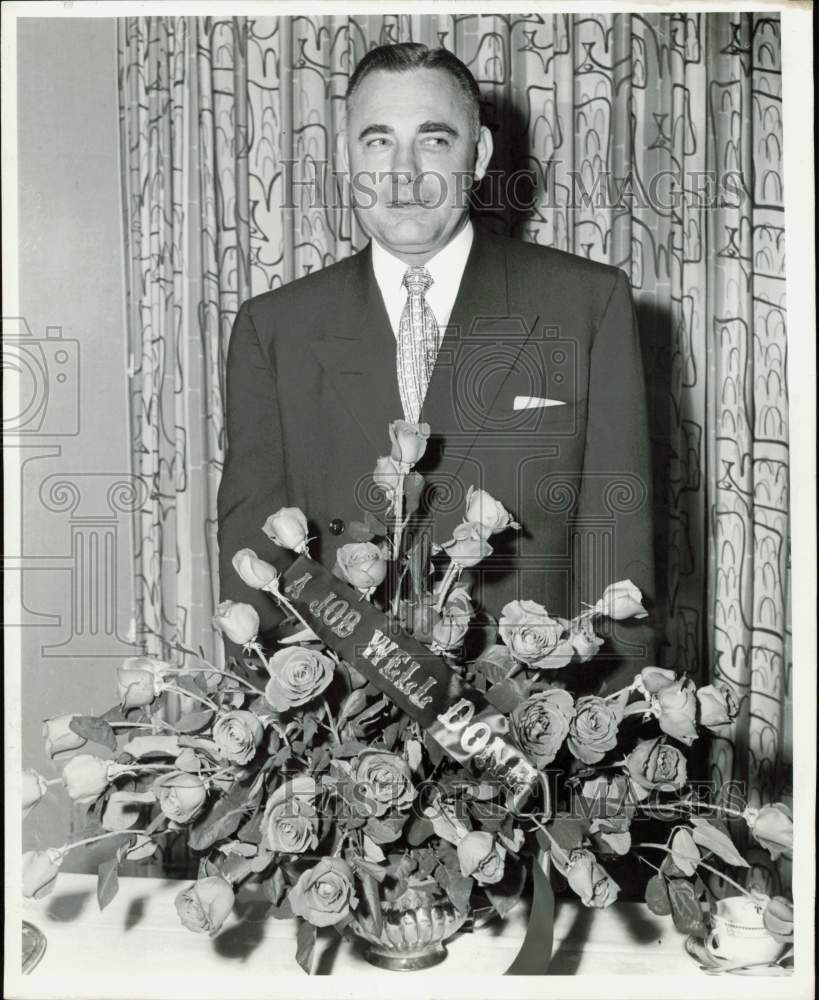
(649, 141)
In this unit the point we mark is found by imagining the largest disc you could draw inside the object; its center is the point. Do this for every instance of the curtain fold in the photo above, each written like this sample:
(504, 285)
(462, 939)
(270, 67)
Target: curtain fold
(650, 141)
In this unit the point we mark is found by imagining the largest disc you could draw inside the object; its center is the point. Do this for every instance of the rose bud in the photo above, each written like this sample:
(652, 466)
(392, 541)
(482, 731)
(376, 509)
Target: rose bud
(252, 570)
(140, 681)
(86, 777)
(238, 735)
(409, 442)
(468, 545)
(541, 724)
(362, 564)
(653, 765)
(324, 895)
(204, 906)
(772, 827)
(677, 710)
(385, 475)
(34, 788)
(533, 636)
(239, 622)
(592, 730)
(382, 781)
(583, 641)
(654, 679)
(290, 820)
(588, 878)
(449, 631)
(59, 737)
(481, 857)
(482, 508)
(39, 872)
(181, 795)
(287, 528)
(777, 918)
(717, 705)
(621, 600)
(297, 675)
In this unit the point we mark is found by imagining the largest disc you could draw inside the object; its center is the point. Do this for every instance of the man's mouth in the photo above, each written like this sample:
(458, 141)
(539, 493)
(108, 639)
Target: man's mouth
(408, 204)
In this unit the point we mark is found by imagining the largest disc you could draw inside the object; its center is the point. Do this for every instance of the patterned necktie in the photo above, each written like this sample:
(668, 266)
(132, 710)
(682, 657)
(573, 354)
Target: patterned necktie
(417, 343)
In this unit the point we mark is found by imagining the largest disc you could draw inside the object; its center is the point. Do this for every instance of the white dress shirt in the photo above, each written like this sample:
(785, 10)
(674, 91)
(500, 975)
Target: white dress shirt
(446, 268)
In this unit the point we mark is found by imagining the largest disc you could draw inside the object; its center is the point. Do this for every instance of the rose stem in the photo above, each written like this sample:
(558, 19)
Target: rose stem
(397, 532)
(446, 584)
(649, 863)
(91, 840)
(208, 669)
(331, 721)
(276, 592)
(702, 864)
(189, 694)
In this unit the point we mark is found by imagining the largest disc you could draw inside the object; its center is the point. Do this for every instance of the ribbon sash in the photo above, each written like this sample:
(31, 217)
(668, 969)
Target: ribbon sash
(457, 716)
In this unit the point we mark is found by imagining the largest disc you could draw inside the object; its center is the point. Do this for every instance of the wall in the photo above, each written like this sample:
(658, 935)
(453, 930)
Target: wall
(75, 531)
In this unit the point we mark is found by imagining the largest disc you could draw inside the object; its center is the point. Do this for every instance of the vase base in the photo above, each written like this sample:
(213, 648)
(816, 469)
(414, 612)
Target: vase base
(405, 963)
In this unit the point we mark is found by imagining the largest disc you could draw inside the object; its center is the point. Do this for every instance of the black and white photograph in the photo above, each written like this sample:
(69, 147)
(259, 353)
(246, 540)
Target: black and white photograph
(410, 534)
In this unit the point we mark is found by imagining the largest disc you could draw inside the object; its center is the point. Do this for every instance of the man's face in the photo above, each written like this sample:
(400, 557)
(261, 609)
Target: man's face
(412, 155)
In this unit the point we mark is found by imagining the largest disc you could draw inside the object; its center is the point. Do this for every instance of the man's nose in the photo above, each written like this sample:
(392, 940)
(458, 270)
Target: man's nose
(405, 163)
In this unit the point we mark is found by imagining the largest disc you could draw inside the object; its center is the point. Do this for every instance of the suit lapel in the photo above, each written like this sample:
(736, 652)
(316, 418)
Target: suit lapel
(481, 306)
(358, 355)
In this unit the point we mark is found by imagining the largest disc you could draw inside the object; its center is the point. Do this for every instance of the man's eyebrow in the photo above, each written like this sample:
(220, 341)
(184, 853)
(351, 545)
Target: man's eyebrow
(376, 129)
(438, 127)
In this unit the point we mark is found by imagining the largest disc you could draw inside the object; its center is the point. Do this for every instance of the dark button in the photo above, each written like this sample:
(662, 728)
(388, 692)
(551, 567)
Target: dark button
(336, 526)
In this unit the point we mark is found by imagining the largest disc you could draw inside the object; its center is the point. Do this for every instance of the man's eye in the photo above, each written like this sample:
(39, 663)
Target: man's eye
(376, 143)
(438, 141)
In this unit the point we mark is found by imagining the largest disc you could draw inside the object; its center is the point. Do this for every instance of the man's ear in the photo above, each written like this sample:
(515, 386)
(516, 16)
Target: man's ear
(483, 153)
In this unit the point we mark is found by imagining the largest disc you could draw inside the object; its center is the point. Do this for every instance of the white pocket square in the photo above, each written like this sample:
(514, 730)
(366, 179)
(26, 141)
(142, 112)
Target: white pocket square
(534, 402)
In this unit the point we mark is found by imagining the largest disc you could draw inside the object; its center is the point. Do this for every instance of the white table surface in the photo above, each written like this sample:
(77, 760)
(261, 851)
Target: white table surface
(137, 946)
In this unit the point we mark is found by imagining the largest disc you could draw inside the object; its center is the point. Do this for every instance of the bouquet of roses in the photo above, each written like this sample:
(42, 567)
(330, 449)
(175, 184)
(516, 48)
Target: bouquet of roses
(368, 770)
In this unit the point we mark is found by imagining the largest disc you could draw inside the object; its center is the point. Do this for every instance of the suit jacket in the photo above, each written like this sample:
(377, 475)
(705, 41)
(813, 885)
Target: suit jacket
(312, 386)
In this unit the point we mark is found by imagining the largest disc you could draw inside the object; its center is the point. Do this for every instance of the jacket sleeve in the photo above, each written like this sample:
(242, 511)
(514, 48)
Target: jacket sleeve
(253, 478)
(614, 534)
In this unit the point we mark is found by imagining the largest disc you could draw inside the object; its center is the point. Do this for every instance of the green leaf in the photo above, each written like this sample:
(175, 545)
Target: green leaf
(194, 722)
(384, 830)
(459, 890)
(390, 735)
(221, 821)
(419, 830)
(274, 887)
(359, 532)
(657, 896)
(709, 836)
(187, 683)
(413, 488)
(113, 715)
(305, 946)
(505, 696)
(107, 882)
(370, 887)
(685, 908)
(90, 727)
(374, 523)
(505, 894)
(684, 851)
(567, 832)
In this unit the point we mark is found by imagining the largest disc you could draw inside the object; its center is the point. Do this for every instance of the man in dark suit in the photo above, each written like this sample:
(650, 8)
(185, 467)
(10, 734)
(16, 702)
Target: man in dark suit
(524, 361)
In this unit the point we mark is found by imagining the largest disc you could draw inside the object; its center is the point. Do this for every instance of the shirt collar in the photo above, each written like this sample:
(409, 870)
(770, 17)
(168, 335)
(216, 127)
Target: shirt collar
(446, 269)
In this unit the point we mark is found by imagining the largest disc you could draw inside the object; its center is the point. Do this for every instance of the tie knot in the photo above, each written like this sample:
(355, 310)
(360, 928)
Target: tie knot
(417, 280)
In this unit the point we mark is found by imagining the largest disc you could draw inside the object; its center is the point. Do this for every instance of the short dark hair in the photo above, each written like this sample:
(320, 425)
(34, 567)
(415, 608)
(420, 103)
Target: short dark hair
(404, 56)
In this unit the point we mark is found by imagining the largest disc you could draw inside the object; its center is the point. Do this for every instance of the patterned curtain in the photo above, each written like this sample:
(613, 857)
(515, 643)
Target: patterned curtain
(649, 141)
